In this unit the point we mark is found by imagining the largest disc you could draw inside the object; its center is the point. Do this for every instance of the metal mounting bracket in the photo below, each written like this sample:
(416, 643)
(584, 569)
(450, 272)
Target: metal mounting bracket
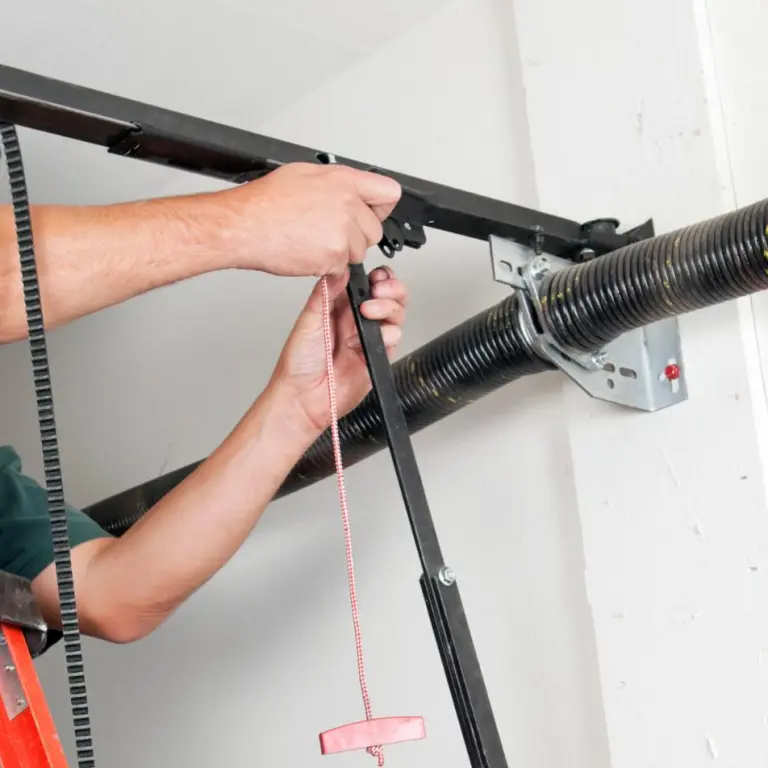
(641, 369)
(11, 691)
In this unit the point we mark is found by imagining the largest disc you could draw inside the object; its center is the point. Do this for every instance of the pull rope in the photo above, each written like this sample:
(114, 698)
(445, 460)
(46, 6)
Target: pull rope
(377, 751)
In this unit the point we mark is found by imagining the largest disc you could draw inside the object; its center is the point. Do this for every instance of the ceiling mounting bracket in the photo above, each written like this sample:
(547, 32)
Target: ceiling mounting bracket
(641, 369)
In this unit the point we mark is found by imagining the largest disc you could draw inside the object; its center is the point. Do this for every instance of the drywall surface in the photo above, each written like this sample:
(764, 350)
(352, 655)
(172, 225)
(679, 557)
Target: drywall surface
(262, 658)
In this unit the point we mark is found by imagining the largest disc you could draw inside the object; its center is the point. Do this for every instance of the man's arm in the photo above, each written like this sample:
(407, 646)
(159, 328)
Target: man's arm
(92, 257)
(298, 220)
(126, 587)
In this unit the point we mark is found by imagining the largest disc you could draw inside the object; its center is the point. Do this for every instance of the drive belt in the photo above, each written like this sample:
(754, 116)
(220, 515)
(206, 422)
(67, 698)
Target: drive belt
(41, 375)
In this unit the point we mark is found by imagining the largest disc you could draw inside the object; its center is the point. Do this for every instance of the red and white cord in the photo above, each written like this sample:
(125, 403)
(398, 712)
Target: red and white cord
(377, 751)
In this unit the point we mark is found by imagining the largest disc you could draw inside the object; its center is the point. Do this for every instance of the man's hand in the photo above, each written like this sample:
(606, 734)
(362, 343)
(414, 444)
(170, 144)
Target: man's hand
(299, 220)
(127, 587)
(301, 369)
(305, 219)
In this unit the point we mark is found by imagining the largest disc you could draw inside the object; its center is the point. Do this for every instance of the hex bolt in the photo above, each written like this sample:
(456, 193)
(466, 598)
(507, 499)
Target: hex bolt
(446, 576)
(539, 267)
(538, 238)
(600, 359)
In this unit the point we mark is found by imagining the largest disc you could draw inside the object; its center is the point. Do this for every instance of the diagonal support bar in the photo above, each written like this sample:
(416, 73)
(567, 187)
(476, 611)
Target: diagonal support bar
(441, 592)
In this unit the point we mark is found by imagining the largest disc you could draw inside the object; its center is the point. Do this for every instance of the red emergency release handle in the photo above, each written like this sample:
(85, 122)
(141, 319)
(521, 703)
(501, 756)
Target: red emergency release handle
(372, 733)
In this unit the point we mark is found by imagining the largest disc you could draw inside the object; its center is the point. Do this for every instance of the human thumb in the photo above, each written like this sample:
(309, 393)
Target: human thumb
(335, 286)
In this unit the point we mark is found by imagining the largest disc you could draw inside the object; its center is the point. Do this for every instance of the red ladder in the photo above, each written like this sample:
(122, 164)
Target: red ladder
(28, 736)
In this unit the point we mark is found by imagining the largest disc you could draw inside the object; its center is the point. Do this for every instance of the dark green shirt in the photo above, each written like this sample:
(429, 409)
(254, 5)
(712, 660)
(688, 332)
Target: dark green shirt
(25, 528)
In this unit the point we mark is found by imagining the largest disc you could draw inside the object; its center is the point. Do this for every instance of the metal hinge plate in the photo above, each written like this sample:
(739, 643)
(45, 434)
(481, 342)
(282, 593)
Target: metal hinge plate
(11, 691)
(641, 369)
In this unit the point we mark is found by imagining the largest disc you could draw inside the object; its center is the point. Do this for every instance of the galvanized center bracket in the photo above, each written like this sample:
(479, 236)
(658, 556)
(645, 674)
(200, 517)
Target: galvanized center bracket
(641, 369)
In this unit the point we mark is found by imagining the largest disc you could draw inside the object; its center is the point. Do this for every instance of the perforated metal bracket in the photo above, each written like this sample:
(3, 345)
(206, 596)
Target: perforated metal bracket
(641, 369)
(11, 691)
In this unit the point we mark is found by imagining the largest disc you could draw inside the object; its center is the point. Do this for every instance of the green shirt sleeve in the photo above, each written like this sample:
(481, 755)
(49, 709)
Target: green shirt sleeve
(25, 529)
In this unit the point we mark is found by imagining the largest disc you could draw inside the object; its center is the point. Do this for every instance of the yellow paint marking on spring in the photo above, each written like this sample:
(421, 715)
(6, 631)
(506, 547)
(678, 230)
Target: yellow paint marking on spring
(765, 253)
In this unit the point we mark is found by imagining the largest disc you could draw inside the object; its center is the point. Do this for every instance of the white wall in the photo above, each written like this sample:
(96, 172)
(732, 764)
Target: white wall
(262, 659)
(672, 505)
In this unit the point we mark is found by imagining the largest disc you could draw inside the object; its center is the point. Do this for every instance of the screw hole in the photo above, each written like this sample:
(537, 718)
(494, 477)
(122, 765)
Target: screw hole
(628, 373)
(611, 383)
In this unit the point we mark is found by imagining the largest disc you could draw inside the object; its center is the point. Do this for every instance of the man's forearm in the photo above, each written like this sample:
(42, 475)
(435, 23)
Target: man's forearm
(93, 257)
(136, 581)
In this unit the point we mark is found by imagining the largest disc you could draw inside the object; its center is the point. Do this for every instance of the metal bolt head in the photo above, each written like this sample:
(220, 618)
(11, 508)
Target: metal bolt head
(446, 576)
(600, 359)
(539, 267)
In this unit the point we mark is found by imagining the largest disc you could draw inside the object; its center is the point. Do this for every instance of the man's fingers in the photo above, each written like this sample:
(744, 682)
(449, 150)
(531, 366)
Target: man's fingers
(336, 285)
(390, 289)
(384, 309)
(358, 245)
(370, 225)
(381, 273)
(378, 192)
(390, 334)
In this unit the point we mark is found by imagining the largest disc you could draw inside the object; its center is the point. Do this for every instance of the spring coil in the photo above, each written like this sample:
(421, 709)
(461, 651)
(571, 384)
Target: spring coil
(455, 369)
(465, 363)
(726, 257)
(584, 307)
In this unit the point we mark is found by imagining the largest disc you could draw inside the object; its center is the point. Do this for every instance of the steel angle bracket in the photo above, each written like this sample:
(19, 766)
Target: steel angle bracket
(641, 369)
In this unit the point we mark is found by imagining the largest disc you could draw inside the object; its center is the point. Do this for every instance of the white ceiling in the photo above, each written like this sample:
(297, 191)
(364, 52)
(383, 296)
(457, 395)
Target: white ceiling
(234, 61)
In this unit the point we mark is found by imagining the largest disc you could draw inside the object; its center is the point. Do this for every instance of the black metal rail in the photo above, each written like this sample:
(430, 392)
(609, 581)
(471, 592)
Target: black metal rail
(157, 135)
